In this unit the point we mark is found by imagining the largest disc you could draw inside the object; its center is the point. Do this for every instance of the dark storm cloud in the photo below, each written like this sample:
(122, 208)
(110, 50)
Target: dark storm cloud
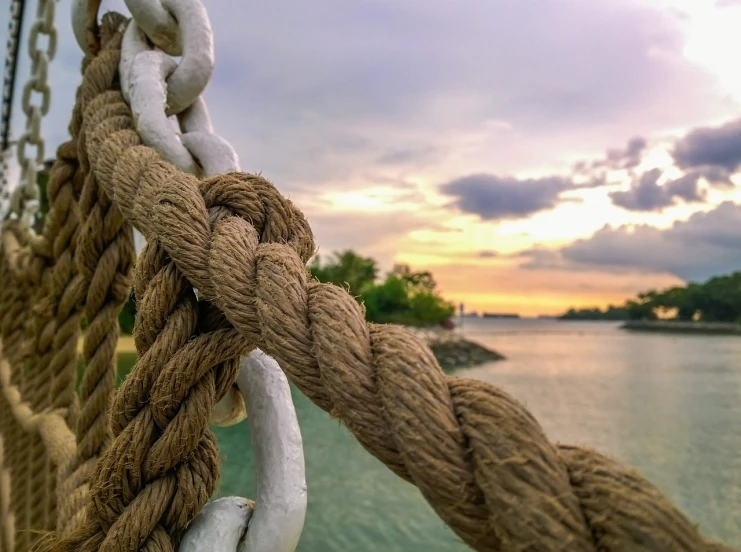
(496, 198)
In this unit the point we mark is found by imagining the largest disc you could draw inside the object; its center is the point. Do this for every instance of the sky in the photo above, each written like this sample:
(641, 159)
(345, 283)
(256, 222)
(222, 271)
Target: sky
(534, 155)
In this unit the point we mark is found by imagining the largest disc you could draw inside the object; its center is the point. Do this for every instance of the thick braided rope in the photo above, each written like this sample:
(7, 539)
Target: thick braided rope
(7, 518)
(163, 464)
(32, 286)
(105, 256)
(43, 272)
(25, 266)
(59, 363)
(477, 455)
(13, 302)
(54, 325)
(49, 429)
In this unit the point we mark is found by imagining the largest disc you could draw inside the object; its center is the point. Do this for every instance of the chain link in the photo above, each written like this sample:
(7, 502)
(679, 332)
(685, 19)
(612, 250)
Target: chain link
(25, 199)
(157, 87)
(11, 63)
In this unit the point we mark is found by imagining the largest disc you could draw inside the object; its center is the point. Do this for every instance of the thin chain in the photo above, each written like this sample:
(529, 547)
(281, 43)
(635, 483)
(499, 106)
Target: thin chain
(11, 64)
(25, 199)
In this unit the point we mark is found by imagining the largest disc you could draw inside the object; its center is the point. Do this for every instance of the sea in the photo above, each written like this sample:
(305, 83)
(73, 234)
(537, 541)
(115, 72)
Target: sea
(668, 405)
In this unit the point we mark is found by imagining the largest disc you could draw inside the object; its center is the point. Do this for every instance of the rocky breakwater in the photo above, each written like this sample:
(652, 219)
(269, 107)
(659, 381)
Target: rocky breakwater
(453, 351)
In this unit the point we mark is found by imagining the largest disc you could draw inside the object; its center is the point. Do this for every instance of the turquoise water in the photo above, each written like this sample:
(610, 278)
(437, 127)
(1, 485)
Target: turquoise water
(670, 406)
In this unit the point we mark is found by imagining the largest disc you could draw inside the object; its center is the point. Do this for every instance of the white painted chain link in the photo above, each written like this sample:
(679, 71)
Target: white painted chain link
(157, 87)
(24, 202)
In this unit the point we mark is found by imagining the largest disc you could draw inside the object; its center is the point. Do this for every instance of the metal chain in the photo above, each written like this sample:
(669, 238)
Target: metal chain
(11, 64)
(25, 199)
(147, 72)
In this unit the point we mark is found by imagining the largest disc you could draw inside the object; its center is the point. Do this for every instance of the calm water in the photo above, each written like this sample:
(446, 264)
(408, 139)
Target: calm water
(670, 406)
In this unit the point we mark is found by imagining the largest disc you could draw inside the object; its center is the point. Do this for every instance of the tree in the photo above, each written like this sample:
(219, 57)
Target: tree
(405, 296)
(346, 269)
(716, 300)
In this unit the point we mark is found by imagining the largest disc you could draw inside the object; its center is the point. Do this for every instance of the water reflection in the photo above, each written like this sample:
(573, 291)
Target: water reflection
(669, 406)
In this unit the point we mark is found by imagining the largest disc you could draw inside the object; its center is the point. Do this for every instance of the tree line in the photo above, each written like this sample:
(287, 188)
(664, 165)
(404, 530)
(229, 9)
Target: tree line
(402, 296)
(715, 300)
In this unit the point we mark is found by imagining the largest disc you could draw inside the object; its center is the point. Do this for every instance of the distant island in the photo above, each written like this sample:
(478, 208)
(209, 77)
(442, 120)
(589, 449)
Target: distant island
(500, 315)
(717, 300)
(595, 313)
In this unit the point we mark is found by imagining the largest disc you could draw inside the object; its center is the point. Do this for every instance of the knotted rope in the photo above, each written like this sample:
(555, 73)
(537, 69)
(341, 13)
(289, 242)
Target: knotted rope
(476, 454)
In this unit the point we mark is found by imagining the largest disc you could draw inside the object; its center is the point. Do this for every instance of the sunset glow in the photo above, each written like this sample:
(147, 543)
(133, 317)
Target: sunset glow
(533, 155)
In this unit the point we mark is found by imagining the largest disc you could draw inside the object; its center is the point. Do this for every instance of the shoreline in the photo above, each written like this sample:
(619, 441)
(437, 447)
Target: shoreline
(673, 326)
(453, 351)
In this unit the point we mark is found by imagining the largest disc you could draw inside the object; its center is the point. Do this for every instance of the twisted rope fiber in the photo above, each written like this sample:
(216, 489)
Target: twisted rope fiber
(163, 463)
(13, 302)
(54, 323)
(50, 362)
(476, 454)
(105, 255)
(7, 519)
(49, 428)
(34, 286)
(25, 261)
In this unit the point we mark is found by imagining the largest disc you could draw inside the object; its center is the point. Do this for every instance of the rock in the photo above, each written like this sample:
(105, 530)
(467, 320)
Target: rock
(453, 351)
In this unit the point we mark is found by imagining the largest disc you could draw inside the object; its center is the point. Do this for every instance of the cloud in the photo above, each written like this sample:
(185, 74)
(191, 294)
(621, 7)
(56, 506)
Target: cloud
(363, 88)
(646, 194)
(408, 155)
(718, 146)
(704, 245)
(398, 80)
(629, 157)
(496, 198)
